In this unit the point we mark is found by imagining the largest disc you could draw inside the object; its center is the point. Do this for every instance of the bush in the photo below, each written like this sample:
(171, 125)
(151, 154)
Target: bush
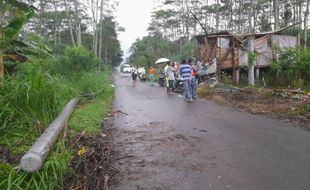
(77, 59)
(225, 78)
(292, 68)
(29, 101)
(31, 97)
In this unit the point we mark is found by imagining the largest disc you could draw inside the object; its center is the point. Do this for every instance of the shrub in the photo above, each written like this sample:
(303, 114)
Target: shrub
(31, 97)
(77, 59)
(292, 67)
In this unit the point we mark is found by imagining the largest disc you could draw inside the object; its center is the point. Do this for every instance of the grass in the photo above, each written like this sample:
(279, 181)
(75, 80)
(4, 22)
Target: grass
(49, 177)
(29, 102)
(90, 115)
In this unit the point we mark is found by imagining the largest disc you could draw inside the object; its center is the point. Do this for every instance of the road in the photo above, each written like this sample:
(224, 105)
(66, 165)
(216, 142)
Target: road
(174, 145)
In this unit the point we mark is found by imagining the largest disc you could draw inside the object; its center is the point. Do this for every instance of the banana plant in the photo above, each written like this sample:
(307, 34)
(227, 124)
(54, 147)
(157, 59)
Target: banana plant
(13, 16)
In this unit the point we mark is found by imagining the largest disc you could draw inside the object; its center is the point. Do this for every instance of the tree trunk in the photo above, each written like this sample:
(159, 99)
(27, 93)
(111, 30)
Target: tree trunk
(239, 16)
(231, 12)
(250, 17)
(77, 24)
(78, 34)
(276, 14)
(217, 16)
(55, 23)
(100, 33)
(300, 14)
(306, 25)
(41, 21)
(187, 20)
(69, 22)
(94, 9)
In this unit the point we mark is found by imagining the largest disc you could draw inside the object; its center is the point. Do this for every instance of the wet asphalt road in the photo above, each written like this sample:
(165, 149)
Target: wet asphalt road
(197, 146)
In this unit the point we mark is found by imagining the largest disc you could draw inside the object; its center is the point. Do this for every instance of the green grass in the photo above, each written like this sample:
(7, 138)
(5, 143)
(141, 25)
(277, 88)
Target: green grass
(26, 111)
(33, 97)
(89, 116)
(50, 176)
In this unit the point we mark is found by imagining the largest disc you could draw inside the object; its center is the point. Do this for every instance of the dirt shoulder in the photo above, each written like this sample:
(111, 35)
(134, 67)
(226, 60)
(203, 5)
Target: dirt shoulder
(289, 105)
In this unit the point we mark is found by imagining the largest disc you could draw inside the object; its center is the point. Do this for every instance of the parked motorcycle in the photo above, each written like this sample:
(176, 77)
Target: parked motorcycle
(141, 73)
(178, 84)
(161, 79)
(142, 76)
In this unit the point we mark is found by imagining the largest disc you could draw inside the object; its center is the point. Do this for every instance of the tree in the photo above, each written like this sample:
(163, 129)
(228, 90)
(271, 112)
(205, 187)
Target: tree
(306, 23)
(276, 14)
(13, 16)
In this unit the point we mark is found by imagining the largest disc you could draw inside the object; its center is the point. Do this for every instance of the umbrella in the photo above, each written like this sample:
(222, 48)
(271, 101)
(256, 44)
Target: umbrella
(161, 61)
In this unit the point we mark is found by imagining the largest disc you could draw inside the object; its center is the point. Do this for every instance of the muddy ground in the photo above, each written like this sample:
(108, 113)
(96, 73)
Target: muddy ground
(289, 105)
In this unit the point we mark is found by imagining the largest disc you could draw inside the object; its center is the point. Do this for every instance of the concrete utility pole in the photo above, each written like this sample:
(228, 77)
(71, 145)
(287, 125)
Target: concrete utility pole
(251, 78)
(34, 158)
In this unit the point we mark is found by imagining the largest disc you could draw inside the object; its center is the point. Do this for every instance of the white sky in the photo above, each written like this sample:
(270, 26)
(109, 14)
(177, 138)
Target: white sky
(134, 16)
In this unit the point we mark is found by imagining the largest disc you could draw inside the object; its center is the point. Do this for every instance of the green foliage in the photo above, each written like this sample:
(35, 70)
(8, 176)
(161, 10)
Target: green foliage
(304, 64)
(251, 58)
(19, 13)
(87, 83)
(33, 97)
(89, 116)
(77, 59)
(225, 78)
(147, 50)
(292, 67)
(51, 175)
(187, 50)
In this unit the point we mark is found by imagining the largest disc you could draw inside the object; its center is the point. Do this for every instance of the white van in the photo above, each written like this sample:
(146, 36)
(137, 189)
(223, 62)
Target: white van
(126, 68)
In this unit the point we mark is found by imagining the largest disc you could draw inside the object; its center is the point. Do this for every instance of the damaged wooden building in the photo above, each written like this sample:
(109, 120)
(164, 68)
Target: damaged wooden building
(230, 52)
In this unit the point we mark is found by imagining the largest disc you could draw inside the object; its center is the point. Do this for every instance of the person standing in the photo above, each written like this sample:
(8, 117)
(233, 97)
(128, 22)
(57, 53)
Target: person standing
(166, 76)
(152, 75)
(186, 72)
(193, 78)
(134, 74)
(170, 77)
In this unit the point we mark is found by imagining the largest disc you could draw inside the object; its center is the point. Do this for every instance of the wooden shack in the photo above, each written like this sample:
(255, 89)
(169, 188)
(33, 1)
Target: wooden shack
(231, 51)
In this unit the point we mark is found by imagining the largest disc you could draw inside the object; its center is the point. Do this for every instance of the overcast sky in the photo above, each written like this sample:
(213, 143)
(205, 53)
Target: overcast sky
(134, 16)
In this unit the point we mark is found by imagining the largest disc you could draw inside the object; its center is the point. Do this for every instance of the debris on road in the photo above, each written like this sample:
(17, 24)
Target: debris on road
(116, 113)
(292, 105)
(92, 167)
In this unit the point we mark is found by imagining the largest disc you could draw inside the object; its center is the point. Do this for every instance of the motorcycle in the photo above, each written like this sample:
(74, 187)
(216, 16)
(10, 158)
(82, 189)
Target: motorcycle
(142, 76)
(178, 84)
(141, 73)
(161, 79)
(207, 73)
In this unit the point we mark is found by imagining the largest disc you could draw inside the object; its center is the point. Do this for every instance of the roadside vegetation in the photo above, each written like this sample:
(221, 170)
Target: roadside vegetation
(43, 66)
(33, 97)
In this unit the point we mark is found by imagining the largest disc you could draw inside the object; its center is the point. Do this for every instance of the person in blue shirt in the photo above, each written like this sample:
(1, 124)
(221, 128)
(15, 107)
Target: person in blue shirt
(186, 72)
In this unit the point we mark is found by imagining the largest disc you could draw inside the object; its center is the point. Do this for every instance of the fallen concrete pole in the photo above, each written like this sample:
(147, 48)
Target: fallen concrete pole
(34, 158)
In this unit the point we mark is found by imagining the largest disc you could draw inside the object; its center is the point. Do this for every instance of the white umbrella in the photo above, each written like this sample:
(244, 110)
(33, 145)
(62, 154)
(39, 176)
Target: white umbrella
(161, 60)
